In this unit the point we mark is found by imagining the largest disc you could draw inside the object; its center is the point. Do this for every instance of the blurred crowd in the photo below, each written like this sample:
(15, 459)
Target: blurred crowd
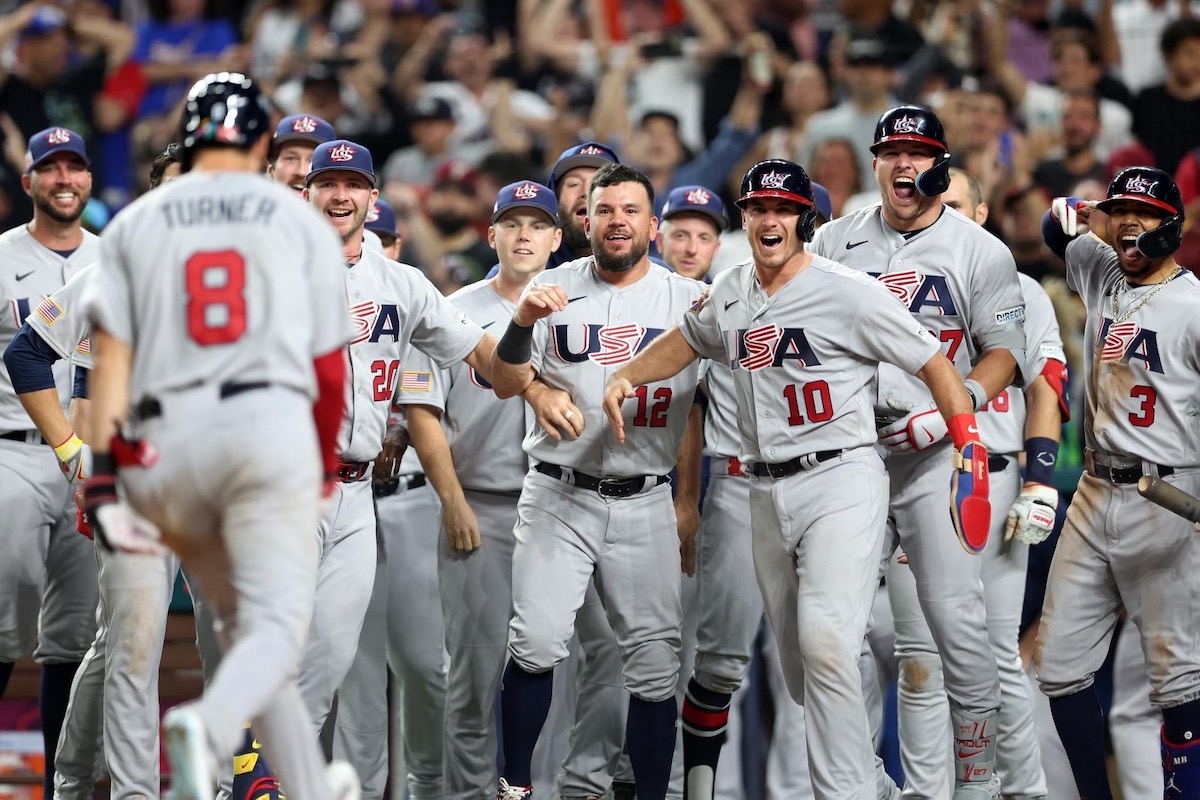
(456, 98)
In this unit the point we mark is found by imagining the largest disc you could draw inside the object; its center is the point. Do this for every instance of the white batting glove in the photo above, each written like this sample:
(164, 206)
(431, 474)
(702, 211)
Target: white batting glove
(118, 527)
(1066, 211)
(74, 459)
(1031, 517)
(923, 427)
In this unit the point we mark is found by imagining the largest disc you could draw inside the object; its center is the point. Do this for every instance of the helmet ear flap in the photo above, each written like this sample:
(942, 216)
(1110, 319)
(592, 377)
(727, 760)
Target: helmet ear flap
(935, 180)
(807, 223)
(1163, 240)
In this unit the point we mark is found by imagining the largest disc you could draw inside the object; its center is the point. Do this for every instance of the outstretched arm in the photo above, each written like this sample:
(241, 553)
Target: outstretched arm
(668, 355)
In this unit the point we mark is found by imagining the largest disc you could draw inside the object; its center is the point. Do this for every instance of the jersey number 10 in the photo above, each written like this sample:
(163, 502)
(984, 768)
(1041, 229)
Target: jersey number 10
(818, 405)
(216, 307)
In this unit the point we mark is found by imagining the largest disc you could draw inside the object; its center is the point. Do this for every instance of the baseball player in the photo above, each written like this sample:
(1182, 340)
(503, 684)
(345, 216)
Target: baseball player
(114, 697)
(48, 590)
(589, 507)
(1117, 549)
(804, 337)
(1014, 421)
(289, 159)
(381, 221)
(250, 376)
(693, 219)
(959, 282)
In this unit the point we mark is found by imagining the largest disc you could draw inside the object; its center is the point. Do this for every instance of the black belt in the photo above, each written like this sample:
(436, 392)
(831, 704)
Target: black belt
(401, 483)
(605, 487)
(351, 471)
(1124, 475)
(149, 408)
(998, 463)
(761, 469)
(23, 436)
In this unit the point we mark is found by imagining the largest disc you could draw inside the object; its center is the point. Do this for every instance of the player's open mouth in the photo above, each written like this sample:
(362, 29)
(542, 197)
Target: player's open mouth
(339, 213)
(64, 198)
(1128, 245)
(904, 188)
(770, 241)
(522, 251)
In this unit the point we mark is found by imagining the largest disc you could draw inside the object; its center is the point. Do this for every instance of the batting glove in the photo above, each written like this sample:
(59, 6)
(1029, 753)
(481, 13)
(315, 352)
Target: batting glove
(1065, 212)
(970, 511)
(923, 427)
(1031, 518)
(74, 459)
(116, 526)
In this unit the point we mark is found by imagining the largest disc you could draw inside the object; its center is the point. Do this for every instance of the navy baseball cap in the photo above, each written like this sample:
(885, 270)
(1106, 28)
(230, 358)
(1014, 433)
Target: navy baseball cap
(526, 194)
(382, 219)
(44, 144)
(822, 202)
(429, 109)
(341, 155)
(302, 128)
(46, 19)
(588, 154)
(698, 200)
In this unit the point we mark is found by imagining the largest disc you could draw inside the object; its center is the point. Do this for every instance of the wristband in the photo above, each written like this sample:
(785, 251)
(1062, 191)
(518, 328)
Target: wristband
(103, 465)
(977, 394)
(962, 429)
(68, 449)
(1041, 454)
(516, 345)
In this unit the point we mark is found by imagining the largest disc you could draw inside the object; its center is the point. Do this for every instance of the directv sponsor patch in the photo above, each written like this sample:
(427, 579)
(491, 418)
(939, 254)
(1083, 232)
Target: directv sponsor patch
(1014, 314)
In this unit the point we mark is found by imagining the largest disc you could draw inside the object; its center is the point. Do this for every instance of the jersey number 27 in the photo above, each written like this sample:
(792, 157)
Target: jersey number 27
(216, 307)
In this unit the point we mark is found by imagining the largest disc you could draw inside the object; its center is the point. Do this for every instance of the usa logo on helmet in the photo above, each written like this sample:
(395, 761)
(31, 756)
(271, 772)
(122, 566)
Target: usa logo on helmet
(698, 197)
(304, 125)
(1139, 185)
(773, 180)
(341, 153)
(526, 191)
(907, 124)
(58, 136)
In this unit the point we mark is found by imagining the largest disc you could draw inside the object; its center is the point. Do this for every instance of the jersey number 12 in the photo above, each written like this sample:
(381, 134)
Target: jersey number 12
(216, 308)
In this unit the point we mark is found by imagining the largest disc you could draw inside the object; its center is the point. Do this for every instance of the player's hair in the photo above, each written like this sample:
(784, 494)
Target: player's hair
(1177, 33)
(974, 189)
(612, 174)
(173, 154)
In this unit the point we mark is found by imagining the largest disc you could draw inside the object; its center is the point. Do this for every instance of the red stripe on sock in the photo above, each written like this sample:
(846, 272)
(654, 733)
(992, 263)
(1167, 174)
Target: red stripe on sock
(705, 720)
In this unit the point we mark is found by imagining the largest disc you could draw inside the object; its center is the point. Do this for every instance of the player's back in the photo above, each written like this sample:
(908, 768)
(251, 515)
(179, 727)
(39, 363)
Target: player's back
(227, 277)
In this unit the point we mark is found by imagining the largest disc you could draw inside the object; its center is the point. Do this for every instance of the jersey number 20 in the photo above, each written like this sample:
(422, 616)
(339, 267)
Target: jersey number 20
(216, 309)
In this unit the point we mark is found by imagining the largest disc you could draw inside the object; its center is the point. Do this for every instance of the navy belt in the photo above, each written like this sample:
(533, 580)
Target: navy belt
(783, 469)
(605, 487)
(149, 408)
(28, 437)
(401, 483)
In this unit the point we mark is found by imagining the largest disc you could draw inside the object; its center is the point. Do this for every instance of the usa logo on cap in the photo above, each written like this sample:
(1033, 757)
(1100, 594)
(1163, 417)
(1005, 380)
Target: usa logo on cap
(773, 180)
(304, 125)
(1140, 185)
(526, 191)
(591, 150)
(373, 214)
(58, 136)
(907, 124)
(698, 197)
(341, 153)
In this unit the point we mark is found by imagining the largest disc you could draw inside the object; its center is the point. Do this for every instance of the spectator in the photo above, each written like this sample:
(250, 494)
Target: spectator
(868, 77)
(445, 237)
(286, 35)
(1078, 162)
(1139, 26)
(1167, 116)
(1078, 66)
(835, 166)
(805, 93)
(1027, 32)
(877, 19)
(47, 85)
(431, 125)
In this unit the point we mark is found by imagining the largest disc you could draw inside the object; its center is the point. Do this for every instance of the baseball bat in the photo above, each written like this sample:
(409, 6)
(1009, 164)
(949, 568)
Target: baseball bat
(1172, 499)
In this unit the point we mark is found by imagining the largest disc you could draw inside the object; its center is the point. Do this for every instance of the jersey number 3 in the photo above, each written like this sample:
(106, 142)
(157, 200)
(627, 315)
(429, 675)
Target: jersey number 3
(216, 308)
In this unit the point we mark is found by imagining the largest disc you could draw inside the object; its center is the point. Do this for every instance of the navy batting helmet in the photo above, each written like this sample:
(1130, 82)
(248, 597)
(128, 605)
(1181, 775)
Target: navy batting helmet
(920, 125)
(785, 180)
(1154, 188)
(224, 109)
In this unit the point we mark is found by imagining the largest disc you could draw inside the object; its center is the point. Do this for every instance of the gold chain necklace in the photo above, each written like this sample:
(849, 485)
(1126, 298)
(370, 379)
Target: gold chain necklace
(1116, 318)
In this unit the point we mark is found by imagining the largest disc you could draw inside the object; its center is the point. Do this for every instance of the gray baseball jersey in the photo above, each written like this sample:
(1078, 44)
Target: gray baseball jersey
(229, 316)
(484, 433)
(804, 359)
(1002, 420)
(1137, 403)
(722, 439)
(29, 271)
(578, 348)
(65, 326)
(957, 279)
(393, 305)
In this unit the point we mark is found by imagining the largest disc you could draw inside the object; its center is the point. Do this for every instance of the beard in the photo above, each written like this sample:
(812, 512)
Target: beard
(46, 205)
(623, 263)
(359, 219)
(574, 237)
(449, 223)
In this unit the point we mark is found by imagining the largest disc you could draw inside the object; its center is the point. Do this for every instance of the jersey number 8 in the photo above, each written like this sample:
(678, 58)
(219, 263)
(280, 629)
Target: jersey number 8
(216, 309)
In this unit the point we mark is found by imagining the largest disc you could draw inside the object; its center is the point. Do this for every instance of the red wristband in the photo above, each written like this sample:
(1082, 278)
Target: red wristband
(963, 429)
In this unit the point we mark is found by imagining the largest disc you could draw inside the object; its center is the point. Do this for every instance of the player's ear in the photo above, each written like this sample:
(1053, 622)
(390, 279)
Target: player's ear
(654, 228)
(556, 240)
(659, 240)
(981, 213)
(374, 197)
(25, 184)
(304, 194)
(492, 236)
